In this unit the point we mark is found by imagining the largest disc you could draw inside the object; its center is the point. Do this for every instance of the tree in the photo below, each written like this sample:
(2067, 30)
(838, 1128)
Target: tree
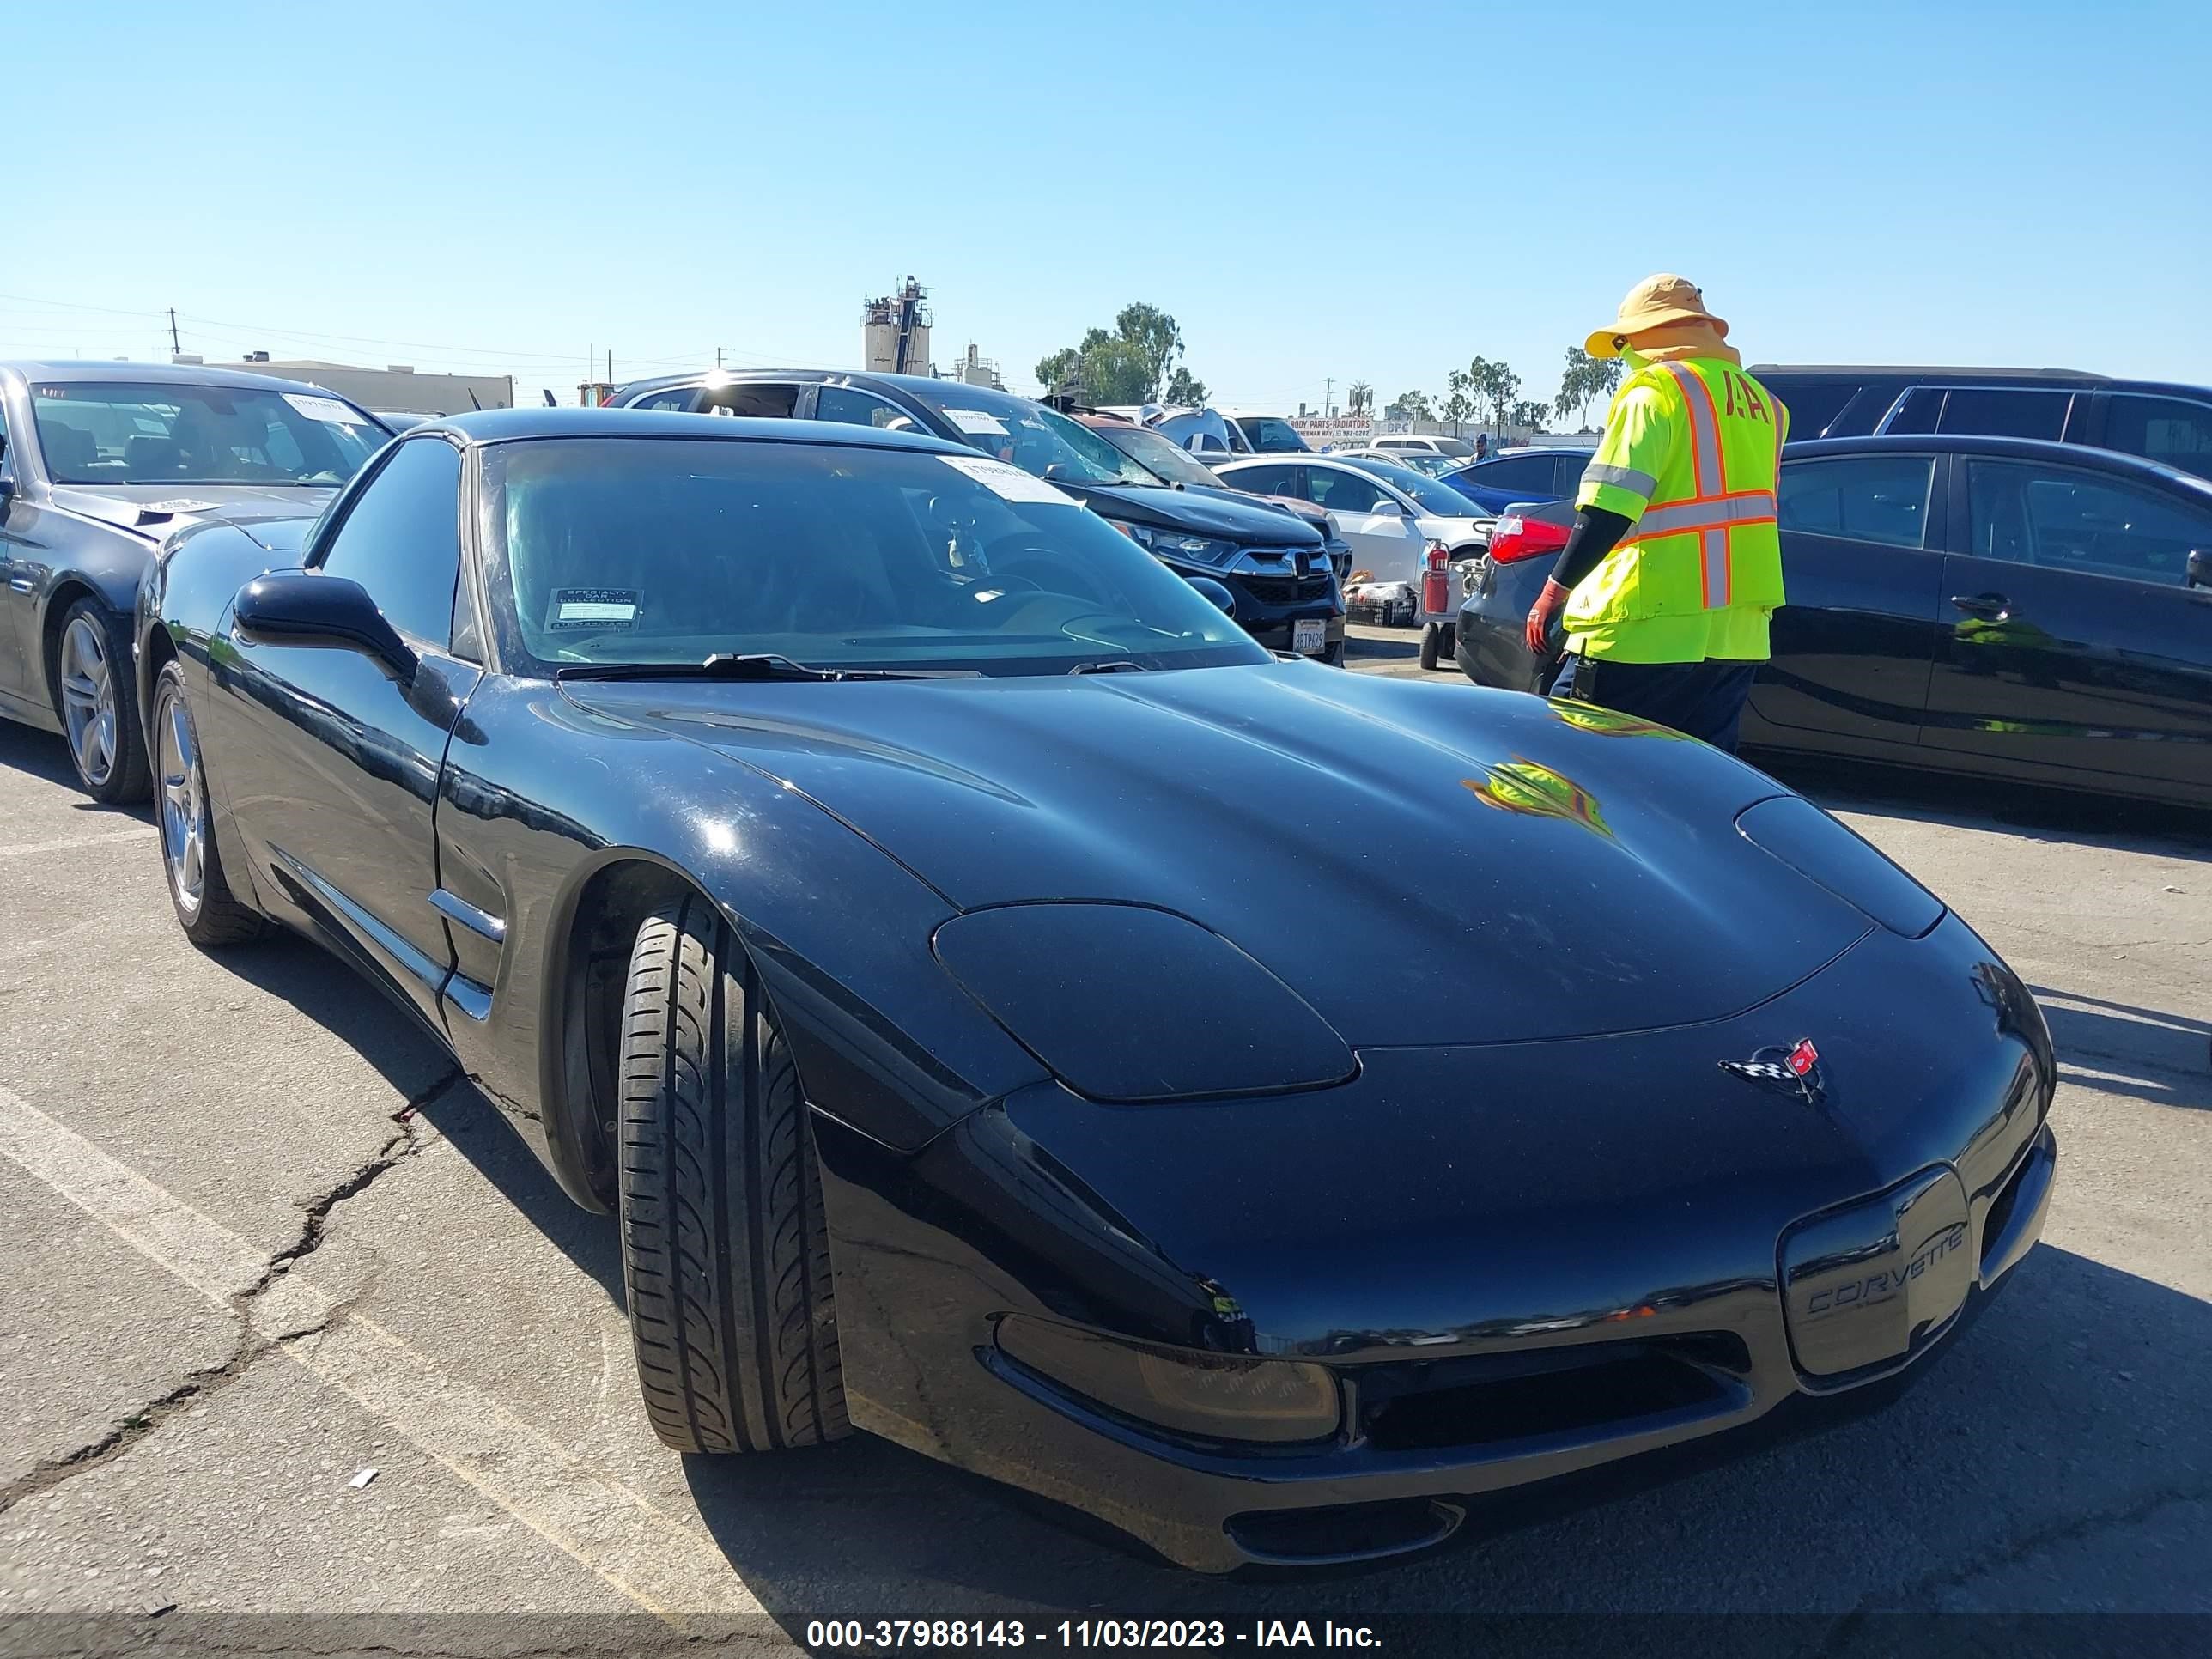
(1457, 404)
(1586, 378)
(1496, 382)
(1184, 391)
(1531, 415)
(1410, 406)
(1361, 397)
(1131, 365)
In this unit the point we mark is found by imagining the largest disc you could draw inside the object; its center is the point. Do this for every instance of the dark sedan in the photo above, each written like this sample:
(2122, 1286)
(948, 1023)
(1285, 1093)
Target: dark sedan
(1280, 585)
(999, 1001)
(98, 462)
(1998, 606)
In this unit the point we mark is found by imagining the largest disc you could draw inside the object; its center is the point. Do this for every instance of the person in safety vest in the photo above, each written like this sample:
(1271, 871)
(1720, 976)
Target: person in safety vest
(1673, 565)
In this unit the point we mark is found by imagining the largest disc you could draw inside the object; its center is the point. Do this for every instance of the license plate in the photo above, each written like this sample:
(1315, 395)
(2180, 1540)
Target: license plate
(1309, 637)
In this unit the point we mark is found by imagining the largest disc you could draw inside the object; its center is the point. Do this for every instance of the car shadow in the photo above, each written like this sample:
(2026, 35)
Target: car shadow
(1841, 784)
(2147, 1053)
(44, 756)
(1365, 648)
(2073, 1404)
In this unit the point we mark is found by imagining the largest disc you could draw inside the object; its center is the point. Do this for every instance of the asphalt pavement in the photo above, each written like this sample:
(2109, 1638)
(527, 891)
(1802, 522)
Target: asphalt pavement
(290, 1325)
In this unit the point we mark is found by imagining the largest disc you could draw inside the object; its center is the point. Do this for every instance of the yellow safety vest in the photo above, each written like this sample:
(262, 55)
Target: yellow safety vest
(1688, 457)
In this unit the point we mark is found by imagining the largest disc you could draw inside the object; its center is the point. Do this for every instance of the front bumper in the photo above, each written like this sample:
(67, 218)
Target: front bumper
(1492, 1336)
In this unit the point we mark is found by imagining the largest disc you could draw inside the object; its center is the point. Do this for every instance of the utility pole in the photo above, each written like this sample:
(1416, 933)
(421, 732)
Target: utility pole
(718, 356)
(1325, 386)
(175, 349)
(610, 365)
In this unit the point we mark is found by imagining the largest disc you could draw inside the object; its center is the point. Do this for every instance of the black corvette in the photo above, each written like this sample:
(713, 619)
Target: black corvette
(1012, 1012)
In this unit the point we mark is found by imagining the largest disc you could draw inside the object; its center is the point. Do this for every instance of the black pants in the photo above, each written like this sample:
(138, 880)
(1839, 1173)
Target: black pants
(1704, 699)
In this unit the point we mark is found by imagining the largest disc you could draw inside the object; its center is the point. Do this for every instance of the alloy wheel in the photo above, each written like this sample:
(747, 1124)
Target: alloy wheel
(89, 713)
(184, 808)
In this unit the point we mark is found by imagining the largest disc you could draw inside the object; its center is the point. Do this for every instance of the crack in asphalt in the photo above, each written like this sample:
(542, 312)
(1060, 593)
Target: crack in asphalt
(251, 1345)
(1919, 1596)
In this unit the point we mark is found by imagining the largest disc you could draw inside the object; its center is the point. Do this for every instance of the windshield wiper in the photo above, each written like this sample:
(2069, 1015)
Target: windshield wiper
(1111, 665)
(750, 665)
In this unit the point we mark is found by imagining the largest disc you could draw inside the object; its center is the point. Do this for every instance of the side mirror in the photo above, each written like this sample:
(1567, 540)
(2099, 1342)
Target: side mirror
(300, 608)
(1056, 473)
(2200, 567)
(1223, 600)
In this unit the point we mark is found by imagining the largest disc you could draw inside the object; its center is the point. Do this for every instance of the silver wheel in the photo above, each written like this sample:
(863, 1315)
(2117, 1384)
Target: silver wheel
(183, 809)
(88, 699)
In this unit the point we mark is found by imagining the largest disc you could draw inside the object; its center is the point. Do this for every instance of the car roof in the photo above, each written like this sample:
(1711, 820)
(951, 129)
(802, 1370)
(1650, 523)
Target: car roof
(2024, 449)
(78, 372)
(512, 425)
(1912, 371)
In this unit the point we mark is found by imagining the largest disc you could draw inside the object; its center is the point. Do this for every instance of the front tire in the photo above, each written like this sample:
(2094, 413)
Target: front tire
(1432, 640)
(99, 716)
(725, 1248)
(209, 914)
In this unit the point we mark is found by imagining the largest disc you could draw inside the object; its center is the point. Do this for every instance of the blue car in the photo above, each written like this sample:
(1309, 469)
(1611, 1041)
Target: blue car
(1520, 475)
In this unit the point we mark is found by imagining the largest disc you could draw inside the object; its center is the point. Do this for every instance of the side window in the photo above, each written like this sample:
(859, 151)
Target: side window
(1867, 498)
(2169, 430)
(1813, 405)
(1341, 492)
(2001, 412)
(1264, 480)
(402, 539)
(2078, 521)
(756, 400)
(1569, 478)
(1915, 414)
(677, 400)
(842, 404)
(1269, 432)
(1531, 472)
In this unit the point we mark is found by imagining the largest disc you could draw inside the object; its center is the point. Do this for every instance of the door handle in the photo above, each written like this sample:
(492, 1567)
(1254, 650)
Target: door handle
(22, 584)
(1993, 606)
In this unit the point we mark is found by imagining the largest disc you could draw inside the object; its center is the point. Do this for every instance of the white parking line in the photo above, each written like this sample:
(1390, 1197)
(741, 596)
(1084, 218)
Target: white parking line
(658, 1561)
(25, 849)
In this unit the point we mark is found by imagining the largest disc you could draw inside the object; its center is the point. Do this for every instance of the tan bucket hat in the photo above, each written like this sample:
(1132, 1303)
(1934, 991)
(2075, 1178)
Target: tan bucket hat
(1653, 303)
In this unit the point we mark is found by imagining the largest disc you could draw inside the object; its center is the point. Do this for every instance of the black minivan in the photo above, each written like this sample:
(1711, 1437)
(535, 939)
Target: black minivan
(1274, 565)
(2155, 419)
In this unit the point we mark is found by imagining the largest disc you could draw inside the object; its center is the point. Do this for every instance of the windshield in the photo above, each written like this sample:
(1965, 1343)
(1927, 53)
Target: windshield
(1431, 495)
(1031, 436)
(1434, 466)
(1458, 446)
(671, 550)
(1167, 462)
(109, 433)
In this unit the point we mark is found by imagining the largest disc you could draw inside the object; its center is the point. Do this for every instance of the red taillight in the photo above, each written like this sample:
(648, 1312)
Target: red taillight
(1514, 539)
(1435, 579)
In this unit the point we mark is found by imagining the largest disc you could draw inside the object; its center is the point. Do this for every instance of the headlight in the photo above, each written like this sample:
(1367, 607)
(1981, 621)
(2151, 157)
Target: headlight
(1217, 1396)
(1132, 1005)
(1793, 829)
(1174, 545)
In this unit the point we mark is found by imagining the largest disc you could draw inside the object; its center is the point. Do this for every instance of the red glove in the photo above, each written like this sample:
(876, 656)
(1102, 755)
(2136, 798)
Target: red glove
(1543, 615)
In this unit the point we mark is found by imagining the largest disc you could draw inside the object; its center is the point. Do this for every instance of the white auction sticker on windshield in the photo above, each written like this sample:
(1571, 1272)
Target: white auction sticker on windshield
(329, 410)
(1008, 483)
(593, 607)
(976, 422)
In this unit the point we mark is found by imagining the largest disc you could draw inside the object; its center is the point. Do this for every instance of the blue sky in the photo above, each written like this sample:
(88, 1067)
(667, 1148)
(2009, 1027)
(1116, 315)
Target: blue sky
(1316, 191)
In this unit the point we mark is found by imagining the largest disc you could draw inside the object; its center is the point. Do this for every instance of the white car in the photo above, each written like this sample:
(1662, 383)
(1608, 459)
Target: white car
(1402, 526)
(1420, 460)
(1421, 444)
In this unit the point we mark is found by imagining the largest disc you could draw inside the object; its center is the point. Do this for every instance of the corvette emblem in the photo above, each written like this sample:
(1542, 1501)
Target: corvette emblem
(1795, 1070)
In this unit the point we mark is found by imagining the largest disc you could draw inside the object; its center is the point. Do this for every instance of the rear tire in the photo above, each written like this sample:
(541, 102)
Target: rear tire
(725, 1248)
(1432, 638)
(206, 909)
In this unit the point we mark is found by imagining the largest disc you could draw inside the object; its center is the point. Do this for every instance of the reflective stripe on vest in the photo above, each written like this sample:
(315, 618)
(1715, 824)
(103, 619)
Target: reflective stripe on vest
(1714, 509)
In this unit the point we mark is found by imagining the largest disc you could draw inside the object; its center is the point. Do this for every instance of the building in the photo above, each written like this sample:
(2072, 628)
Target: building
(895, 332)
(976, 370)
(396, 387)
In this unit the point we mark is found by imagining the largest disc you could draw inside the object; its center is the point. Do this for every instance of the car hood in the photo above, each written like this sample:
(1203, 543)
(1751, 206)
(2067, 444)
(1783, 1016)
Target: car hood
(158, 509)
(1304, 511)
(1424, 864)
(1199, 511)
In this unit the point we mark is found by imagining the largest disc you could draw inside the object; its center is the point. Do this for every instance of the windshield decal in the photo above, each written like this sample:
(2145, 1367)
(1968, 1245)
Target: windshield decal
(977, 423)
(593, 608)
(1008, 483)
(329, 410)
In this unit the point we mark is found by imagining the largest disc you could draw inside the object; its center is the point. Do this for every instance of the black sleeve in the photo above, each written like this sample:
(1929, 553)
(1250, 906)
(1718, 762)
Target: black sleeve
(1595, 535)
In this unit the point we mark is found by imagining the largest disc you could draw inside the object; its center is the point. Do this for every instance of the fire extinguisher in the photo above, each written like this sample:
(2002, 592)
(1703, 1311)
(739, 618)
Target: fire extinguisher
(1435, 581)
